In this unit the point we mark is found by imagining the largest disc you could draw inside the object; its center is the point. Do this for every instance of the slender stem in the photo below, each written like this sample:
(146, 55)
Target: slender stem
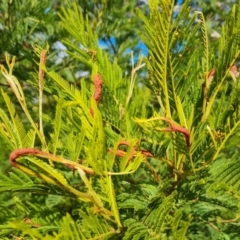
(133, 77)
(41, 82)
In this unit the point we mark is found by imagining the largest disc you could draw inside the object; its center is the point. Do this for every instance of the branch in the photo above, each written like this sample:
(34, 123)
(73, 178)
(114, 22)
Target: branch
(175, 128)
(32, 151)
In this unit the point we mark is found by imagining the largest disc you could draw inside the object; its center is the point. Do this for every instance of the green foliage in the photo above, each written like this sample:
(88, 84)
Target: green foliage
(121, 159)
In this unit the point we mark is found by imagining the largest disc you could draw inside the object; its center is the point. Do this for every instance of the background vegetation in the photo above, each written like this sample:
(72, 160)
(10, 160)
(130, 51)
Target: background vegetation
(107, 142)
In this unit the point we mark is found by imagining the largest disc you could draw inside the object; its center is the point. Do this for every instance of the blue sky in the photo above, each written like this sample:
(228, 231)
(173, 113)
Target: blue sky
(140, 45)
(103, 44)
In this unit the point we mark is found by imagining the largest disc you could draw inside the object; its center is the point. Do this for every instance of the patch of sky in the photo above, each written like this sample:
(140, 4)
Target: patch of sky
(61, 51)
(111, 42)
(140, 46)
(107, 44)
(47, 10)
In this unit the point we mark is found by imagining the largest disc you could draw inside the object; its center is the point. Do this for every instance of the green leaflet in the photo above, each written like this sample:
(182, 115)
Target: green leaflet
(156, 36)
(112, 201)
